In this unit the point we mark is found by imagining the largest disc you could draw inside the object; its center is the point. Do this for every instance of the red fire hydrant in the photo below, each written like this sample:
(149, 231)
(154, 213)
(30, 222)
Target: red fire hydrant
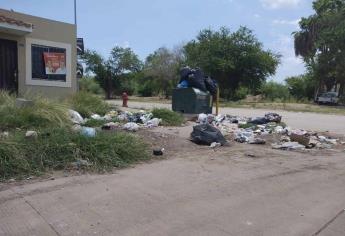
(124, 99)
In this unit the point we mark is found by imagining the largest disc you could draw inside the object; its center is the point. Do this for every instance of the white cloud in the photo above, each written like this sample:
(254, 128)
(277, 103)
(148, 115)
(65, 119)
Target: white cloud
(286, 22)
(276, 4)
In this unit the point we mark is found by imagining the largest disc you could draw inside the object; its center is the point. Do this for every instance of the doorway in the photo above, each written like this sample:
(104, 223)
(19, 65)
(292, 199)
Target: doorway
(8, 65)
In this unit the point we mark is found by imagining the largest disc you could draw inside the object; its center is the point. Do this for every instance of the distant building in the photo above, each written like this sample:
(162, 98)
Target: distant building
(37, 55)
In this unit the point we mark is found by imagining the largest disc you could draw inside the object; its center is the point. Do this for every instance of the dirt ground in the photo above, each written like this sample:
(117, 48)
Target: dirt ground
(241, 189)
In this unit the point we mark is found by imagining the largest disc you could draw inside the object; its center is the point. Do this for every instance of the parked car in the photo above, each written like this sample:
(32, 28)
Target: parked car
(328, 98)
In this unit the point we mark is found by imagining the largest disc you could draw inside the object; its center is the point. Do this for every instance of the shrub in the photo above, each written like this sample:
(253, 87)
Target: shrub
(56, 149)
(241, 93)
(87, 104)
(274, 91)
(90, 85)
(169, 118)
(43, 113)
(301, 87)
(146, 89)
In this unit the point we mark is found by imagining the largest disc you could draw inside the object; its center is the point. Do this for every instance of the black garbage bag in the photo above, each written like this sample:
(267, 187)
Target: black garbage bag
(197, 80)
(206, 134)
(184, 73)
(211, 86)
(259, 121)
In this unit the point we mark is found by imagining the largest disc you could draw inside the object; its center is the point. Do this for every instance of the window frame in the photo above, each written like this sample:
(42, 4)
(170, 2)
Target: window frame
(42, 82)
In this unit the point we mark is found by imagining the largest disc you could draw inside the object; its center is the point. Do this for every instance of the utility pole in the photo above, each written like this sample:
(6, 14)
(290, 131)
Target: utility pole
(75, 14)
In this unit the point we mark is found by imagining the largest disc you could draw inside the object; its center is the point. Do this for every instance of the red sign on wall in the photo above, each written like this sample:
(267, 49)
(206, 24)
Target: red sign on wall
(55, 63)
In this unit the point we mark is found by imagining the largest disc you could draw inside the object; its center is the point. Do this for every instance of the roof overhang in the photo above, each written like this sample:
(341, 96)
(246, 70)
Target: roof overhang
(14, 29)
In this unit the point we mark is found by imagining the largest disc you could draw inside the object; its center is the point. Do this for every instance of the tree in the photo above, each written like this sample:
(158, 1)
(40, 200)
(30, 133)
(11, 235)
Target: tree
(275, 91)
(234, 59)
(320, 42)
(109, 73)
(163, 66)
(301, 87)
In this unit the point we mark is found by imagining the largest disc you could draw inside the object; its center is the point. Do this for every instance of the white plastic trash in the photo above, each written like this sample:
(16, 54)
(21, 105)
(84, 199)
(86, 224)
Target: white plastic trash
(131, 126)
(75, 117)
(88, 132)
(96, 117)
(153, 122)
(202, 118)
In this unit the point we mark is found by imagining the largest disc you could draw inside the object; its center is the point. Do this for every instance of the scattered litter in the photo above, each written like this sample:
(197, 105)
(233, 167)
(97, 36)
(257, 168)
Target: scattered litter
(110, 126)
(257, 141)
(131, 126)
(300, 136)
(215, 145)
(250, 155)
(80, 163)
(202, 118)
(244, 136)
(75, 117)
(158, 152)
(288, 146)
(31, 134)
(88, 132)
(4, 135)
(96, 117)
(273, 117)
(251, 130)
(76, 128)
(153, 123)
(112, 114)
(285, 139)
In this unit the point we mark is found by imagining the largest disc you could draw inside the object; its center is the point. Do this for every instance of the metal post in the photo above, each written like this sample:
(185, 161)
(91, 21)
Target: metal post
(217, 102)
(75, 13)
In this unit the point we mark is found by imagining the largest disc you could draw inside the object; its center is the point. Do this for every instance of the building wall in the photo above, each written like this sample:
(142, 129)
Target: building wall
(45, 30)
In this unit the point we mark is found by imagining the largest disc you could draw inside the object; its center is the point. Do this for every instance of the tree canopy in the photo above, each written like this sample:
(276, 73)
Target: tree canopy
(234, 59)
(163, 66)
(109, 73)
(320, 42)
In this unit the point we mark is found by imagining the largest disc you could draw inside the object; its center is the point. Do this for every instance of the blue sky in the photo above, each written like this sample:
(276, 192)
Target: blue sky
(145, 25)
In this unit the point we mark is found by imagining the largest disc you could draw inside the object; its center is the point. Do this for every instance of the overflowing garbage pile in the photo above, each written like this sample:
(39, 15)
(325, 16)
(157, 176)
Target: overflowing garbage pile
(115, 120)
(196, 78)
(258, 130)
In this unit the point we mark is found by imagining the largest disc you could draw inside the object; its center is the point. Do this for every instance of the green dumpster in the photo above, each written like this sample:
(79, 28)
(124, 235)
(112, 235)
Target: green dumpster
(191, 101)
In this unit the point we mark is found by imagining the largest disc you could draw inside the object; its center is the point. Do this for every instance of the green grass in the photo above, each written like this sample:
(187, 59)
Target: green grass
(43, 113)
(296, 107)
(169, 118)
(56, 149)
(87, 104)
(98, 123)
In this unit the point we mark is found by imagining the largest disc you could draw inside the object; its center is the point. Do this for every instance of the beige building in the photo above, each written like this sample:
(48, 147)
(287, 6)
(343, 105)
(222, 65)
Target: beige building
(37, 55)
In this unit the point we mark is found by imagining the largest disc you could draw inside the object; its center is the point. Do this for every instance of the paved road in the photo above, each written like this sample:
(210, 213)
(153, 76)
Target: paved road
(301, 120)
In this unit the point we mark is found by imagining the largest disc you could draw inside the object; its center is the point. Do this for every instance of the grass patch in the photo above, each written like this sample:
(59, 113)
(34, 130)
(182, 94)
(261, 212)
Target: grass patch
(56, 149)
(246, 126)
(169, 118)
(87, 104)
(43, 113)
(296, 107)
(98, 123)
